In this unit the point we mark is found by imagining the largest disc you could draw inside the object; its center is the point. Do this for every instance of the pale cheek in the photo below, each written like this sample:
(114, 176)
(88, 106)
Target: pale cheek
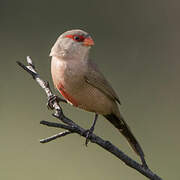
(74, 49)
(67, 44)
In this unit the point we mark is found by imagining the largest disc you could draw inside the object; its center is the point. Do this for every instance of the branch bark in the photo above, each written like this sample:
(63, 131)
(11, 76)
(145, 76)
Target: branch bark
(71, 127)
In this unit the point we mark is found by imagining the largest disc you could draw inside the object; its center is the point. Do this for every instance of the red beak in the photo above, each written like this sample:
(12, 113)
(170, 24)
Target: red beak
(88, 42)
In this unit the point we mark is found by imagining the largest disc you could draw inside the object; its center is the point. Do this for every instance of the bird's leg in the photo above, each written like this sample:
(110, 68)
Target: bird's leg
(144, 164)
(53, 98)
(90, 131)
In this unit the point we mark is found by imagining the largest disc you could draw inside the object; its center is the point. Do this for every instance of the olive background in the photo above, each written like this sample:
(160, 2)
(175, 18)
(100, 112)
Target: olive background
(136, 47)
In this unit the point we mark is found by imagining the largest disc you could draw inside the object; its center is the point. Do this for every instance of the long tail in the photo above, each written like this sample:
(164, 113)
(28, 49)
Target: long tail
(121, 125)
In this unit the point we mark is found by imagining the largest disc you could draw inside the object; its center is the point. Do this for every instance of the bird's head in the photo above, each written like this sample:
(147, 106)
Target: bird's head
(71, 44)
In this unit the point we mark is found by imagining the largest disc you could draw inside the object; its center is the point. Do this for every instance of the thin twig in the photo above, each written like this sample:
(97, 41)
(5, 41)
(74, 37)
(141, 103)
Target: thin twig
(72, 127)
(61, 134)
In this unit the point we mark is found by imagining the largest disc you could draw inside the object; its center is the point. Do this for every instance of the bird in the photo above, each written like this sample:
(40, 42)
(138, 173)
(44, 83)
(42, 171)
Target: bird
(82, 84)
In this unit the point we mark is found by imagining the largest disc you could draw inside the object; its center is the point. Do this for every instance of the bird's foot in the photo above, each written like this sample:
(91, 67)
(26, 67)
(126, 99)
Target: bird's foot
(51, 100)
(89, 133)
(144, 164)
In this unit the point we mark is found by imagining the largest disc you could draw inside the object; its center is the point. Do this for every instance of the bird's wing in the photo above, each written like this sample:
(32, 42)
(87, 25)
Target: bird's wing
(96, 79)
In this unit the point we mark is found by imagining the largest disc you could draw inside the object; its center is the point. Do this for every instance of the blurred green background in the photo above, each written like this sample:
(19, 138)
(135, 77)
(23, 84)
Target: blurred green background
(137, 48)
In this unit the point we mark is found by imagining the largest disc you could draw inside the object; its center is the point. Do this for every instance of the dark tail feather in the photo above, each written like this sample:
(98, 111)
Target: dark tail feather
(121, 125)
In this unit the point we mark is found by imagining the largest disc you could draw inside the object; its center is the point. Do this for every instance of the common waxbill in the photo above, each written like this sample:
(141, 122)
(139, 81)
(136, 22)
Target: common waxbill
(82, 84)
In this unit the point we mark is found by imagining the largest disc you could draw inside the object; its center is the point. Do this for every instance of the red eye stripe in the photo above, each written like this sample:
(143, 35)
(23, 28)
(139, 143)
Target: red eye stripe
(78, 38)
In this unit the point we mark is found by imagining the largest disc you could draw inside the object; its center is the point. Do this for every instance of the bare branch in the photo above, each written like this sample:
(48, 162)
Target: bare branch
(72, 127)
(61, 134)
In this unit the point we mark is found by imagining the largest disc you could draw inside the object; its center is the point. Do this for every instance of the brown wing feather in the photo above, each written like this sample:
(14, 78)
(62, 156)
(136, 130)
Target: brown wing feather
(95, 78)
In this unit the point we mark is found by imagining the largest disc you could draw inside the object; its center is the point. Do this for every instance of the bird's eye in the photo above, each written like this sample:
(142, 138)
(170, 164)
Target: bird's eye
(77, 38)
